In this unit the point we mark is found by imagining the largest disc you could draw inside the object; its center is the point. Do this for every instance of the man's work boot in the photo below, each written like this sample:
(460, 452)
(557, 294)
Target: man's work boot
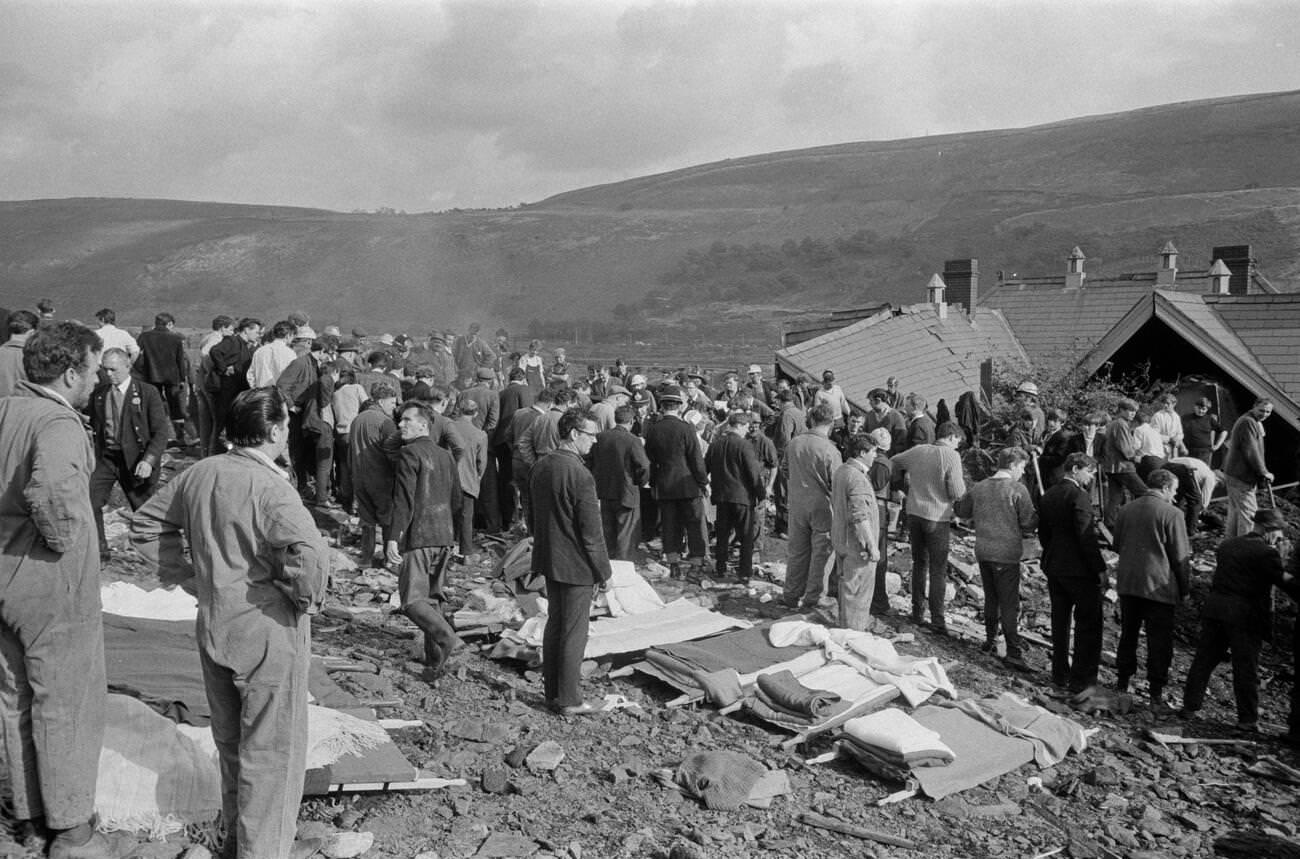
(95, 846)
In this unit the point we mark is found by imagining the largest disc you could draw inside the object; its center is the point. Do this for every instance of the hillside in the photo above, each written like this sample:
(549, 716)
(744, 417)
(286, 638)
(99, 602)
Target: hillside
(741, 242)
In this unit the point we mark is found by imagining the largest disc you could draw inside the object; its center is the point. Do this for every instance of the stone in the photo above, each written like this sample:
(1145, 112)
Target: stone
(1121, 835)
(347, 845)
(545, 757)
(495, 780)
(500, 845)
(1102, 776)
(314, 829)
(515, 757)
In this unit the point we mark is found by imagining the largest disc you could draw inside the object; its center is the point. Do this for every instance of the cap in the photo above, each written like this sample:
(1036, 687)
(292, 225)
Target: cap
(641, 399)
(1270, 518)
(754, 368)
(401, 340)
(349, 344)
(486, 373)
(386, 339)
(437, 337)
(699, 377)
(881, 437)
(637, 379)
(1027, 388)
(359, 333)
(670, 394)
(328, 342)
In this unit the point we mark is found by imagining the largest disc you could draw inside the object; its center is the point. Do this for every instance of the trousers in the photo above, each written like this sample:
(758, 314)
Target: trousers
(1242, 505)
(930, 543)
(1135, 613)
(879, 595)
(465, 527)
(258, 699)
(112, 468)
(809, 561)
(505, 485)
(1076, 598)
(738, 520)
(857, 585)
(564, 641)
(52, 690)
(682, 522)
(621, 526)
(1002, 603)
(312, 455)
(1217, 640)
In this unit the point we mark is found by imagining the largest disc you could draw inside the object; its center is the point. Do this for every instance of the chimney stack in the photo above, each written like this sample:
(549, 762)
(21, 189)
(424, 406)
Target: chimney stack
(934, 294)
(1240, 262)
(962, 277)
(1074, 273)
(1220, 275)
(1168, 271)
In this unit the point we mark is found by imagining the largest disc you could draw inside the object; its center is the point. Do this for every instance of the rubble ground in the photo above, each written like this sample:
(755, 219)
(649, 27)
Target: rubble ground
(541, 785)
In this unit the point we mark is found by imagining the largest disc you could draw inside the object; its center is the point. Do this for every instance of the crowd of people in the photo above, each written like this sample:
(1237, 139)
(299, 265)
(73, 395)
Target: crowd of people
(431, 444)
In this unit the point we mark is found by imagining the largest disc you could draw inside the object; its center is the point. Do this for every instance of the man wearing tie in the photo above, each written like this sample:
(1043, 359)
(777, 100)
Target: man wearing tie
(130, 429)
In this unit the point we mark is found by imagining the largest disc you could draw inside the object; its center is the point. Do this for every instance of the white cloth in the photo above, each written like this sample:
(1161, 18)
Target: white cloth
(116, 338)
(1149, 441)
(628, 593)
(1206, 481)
(128, 600)
(269, 362)
(894, 731)
(1170, 427)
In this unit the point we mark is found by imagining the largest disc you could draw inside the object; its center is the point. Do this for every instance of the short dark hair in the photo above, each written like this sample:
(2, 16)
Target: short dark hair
(545, 395)
(1205, 402)
(219, 322)
(1126, 405)
(106, 316)
(1079, 460)
(1054, 414)
(253, 414)
(425, 371)
(516, 375)
(22, 321)
(468, 406)
(382, 391)
(248, 322)
(570, 421)
(283, 328)
(425, 409)
(347, 376)
(785, 396)
(162, 320)
(739, 418)
(1009, 456)
(1161, 478)
(949, 429)
(624, 414)
(563, 397)
(878, 394)
(378, 358)
(436, 395)
(858, 443)
(820, 415)
(45, 305)
(53, 350)
(299, 319)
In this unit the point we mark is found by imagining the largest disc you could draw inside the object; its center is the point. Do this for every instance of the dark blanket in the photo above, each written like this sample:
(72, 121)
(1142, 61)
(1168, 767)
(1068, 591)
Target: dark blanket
(157, 661)
(784, 691)
(746, 650)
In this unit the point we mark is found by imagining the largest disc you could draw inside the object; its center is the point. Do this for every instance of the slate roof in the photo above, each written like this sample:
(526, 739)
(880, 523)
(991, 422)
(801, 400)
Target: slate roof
(1056, 325)
(937, 357)
(1269, 326)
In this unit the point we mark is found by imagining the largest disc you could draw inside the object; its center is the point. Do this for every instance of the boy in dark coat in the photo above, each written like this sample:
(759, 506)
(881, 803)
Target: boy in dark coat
(736, 480)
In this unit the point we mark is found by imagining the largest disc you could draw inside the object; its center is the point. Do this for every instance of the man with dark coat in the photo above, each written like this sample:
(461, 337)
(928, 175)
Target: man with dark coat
(1237, 617)
(487, 416)
(308, 386)
(472, 467)
(129, 425)
(426, 503)
(569, 550)
(1119, 460)
(21, 325)
(789, 421)
(1245, 468)
(471, 353)
(678, 479)
(162, 363)
(1152, 580)
(373, 442)
(514, 396)
(920, 426)
(620, 467)
(737, 486)
(521, 423)
(231, 359)
(1075, 571)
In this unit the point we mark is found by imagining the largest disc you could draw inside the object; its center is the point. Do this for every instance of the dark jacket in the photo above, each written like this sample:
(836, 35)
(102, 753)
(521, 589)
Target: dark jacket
(620, 467)
(894, 423)
(1067, 530)
(735, 475)
(1151, 538)
(162, 357)
(426, 496)
(1246, 571)
(489, 407)
(231, 352)
(568, 543)
(1245, 459)
(143, 428)
(676, 461)
(920, 430)
(510, 399)
(309, 391)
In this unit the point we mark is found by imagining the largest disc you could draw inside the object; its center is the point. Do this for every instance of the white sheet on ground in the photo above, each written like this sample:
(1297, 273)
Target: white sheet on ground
(894, 731)
(680, 620)
(129, 600)
(628, 592)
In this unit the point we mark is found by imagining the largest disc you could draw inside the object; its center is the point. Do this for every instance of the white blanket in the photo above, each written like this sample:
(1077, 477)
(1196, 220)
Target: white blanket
(128, 600)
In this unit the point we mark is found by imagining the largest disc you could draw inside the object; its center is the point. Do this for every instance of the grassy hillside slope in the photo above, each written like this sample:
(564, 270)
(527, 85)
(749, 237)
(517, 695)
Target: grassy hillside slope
(879, 218)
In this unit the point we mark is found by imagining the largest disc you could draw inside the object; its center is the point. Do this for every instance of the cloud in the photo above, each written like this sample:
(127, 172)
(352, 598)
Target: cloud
(424, 105)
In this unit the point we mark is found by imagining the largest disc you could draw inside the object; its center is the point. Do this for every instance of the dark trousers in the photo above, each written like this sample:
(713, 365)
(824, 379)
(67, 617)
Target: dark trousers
(1217, 640)
(780, 495)
(486, 506)
(465, 527)
(342, 471)
(621, 526)
(1002, 603)
(1121, 487)
(682, 519)
(564, 642)
(1076, 598)
(880, 599)
(173, 397)
(738, 519)
(505, 485)
(519, 473)
(313, 457)
(649, 516)
(930, 542)
(112, 468)
(1158, 619)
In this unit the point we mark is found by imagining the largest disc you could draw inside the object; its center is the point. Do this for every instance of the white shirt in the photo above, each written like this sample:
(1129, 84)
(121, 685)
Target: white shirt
(1149, 441)
(269, 362)
(116, 338)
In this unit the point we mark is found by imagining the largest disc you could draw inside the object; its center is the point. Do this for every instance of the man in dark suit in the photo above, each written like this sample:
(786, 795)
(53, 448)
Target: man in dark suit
(514, 396)
(130, 429)
(620, 466)
(308, 387)
(736, 481)
(1076, 573)
(678, 478)
(569, 550)
(228, 377)
(162, 363)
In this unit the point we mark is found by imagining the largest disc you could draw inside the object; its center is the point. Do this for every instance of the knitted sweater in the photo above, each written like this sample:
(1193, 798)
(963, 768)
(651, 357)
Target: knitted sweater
(934, 480)
(1004, 515)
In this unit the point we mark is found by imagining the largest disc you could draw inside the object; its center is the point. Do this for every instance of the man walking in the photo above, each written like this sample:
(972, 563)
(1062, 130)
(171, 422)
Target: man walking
(52, 682)
(855, 532)
(810, 462)
(516, 395)
(569, 551)
(1003, 513)
(1237, 617)
(1075, 571)
(1151, 579)
(1244, 467)
(427, 500)
(620, 468)
(372, 441)
(259, 568)
(736, 483)
(129, 425)
(472, 468)
(308, 386)
(934, 483)
(162, 363)
(678, 479)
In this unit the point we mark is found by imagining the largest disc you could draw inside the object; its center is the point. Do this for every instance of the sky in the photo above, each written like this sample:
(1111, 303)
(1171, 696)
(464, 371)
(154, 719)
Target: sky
(435, 104)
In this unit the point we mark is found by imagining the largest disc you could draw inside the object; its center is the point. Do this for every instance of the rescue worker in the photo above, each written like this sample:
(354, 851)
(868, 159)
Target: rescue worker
(258, 567)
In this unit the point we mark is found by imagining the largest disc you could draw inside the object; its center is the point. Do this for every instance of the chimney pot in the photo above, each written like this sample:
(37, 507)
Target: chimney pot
(1220, 278)
(1168, 271)
(1074, 273)
(962, 277)
(1241, 262)
(935, 290)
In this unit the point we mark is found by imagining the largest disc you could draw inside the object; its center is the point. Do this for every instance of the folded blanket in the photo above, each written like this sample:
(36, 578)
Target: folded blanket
(765, 711)
(1053, 736)
(896, 734)
(722, 780)
(873, 761)
(911, 760)
(785, 691)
